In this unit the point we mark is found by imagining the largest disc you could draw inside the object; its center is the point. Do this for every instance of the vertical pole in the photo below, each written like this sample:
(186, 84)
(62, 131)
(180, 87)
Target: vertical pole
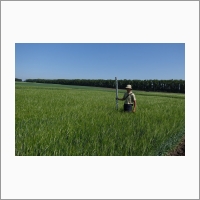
(116, 83)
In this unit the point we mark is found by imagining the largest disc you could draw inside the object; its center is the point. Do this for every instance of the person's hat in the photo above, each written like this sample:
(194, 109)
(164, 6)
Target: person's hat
(129, 87)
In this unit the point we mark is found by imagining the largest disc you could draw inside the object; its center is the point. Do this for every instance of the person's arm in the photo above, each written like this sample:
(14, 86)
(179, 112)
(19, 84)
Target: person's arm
(134, 105)
(120, 99)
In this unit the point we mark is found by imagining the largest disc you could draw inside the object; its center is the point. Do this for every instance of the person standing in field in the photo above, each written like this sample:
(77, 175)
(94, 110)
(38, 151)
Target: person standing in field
(129, 100)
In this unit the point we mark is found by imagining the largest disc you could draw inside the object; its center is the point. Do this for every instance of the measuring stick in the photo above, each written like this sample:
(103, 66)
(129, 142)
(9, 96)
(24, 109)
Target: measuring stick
(116, 92)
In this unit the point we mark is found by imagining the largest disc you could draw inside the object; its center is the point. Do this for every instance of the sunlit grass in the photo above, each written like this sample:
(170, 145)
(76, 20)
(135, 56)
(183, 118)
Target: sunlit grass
(67, 121)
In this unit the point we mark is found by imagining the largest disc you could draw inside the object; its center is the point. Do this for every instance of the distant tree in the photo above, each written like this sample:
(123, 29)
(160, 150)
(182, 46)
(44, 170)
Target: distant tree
(17, 79)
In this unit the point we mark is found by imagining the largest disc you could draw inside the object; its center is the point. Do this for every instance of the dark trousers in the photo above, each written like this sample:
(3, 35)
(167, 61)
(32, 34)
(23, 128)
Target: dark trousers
(128, 107)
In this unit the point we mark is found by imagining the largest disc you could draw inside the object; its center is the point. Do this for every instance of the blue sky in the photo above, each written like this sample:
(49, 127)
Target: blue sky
(100, 60)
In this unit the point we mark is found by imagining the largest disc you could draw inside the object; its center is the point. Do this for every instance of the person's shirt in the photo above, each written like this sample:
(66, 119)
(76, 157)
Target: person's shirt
(130, 98)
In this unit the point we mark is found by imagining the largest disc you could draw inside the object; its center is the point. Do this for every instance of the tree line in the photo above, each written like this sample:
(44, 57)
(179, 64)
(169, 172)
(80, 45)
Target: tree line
(18, 79)
(176, 86)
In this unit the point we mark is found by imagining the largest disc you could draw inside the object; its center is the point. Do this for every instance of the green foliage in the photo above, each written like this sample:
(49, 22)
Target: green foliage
(53, 120)
(176, 86)
(17, 79)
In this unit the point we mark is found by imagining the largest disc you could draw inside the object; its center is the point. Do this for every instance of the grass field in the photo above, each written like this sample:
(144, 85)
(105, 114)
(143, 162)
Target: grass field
(59, 120)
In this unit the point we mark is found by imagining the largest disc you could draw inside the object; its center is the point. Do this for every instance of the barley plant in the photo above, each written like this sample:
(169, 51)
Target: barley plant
(58, 120)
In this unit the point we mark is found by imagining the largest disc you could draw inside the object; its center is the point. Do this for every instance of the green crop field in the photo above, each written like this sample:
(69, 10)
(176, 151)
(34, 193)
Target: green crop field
(60, 120)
